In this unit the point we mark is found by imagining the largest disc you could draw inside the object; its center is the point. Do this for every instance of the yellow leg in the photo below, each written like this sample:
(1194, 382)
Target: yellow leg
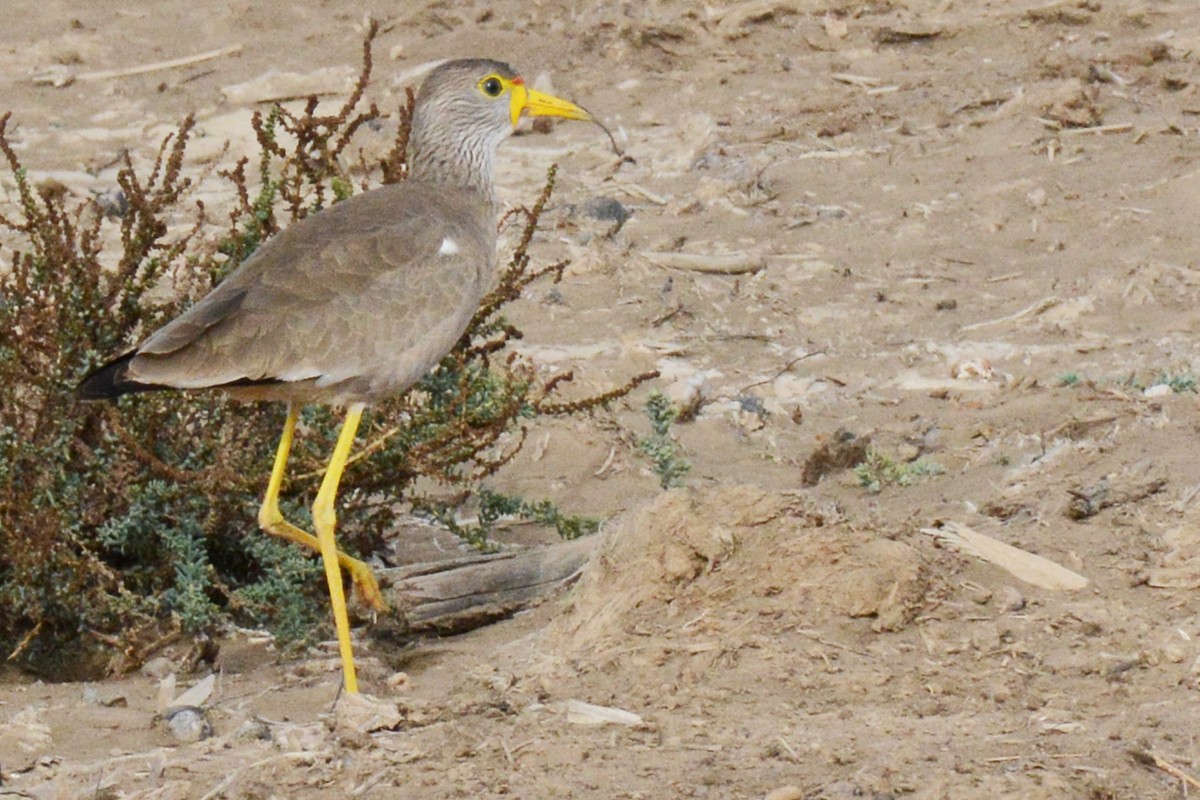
(325, 520)
(271, 520)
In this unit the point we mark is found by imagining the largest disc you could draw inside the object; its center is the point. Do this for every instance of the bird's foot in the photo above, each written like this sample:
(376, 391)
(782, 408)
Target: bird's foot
(364, 582)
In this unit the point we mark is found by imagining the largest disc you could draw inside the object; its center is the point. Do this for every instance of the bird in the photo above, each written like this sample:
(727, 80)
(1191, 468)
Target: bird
(356, 303)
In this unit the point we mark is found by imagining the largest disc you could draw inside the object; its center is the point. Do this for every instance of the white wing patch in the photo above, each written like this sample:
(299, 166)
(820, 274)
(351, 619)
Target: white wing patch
(449, 247)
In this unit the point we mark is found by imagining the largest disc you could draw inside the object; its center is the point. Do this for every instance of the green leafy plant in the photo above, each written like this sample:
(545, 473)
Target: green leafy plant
(878, 470)
(1180, 382)
(660, 446)
(123, 524)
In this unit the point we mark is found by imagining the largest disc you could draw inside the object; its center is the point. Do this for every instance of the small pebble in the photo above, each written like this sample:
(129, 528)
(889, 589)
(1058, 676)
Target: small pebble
(158, 668)
(113, 204)
(979, 594)
(188, 724)
(606, 209)
(1011, 600)
(254, 730)
(109, 698)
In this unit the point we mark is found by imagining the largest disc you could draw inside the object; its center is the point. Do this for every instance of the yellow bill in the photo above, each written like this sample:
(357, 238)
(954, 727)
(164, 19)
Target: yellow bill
(540, 104)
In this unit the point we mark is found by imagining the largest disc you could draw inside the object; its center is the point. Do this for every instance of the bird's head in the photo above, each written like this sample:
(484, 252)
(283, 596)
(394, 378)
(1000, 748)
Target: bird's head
(476, 93)
(465, 108)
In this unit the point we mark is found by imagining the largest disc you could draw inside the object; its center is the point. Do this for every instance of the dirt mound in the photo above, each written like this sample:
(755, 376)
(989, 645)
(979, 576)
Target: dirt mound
(697, 561)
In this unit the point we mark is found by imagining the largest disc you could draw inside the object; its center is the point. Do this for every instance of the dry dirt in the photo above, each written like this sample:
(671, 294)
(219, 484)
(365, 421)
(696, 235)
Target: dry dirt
(965, 230)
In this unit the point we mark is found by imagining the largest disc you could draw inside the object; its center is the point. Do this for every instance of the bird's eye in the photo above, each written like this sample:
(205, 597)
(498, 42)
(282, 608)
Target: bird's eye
(491, 86)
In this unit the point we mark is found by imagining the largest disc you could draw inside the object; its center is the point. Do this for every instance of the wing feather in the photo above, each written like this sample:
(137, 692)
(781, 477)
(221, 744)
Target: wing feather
(358, 294)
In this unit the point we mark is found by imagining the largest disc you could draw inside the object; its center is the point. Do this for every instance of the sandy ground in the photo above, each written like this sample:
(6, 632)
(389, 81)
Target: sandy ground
(965, 230)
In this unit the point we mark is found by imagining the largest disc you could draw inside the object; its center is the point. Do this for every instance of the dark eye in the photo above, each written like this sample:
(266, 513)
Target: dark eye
(492, 86)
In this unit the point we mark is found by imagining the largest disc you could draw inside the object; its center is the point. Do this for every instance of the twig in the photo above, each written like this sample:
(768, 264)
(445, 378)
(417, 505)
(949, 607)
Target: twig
(817, 638)
(1118, 127)
(783, 370)
(642, 192)
(25, 640)
(862, 81)
(1152, 759)
(1039, 307)
(159, 65)
(376, 444)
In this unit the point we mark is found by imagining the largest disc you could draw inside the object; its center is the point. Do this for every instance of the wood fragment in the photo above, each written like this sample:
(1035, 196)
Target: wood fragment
(1089, 501)
(1062, 12)
(158, 66)
(708, 263)
(1079, 428)
(581, 713)
(732, 19)
(197, 695)
(465, 593)
(905, 35)
(1019, 563)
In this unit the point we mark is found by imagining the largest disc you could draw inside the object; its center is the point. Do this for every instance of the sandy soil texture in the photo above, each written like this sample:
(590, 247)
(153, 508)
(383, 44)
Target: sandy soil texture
(960, 235)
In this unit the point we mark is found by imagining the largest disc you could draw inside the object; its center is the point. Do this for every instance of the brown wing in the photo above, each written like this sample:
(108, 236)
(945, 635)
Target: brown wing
(354, 303)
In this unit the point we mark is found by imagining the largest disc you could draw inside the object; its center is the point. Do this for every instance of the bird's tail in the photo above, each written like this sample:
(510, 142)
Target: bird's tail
(107, 381)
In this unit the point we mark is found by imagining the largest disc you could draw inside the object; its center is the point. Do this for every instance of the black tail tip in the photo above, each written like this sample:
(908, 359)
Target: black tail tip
(107, 381)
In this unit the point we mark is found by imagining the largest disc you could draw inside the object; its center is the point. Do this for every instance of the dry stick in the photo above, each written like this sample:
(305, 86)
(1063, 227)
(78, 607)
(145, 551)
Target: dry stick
(642, 192)
(1118, 127)
(1003, 759)
(1039, 307)
(159, 65)
(25, 640)
(612, 139)
(863, 81)
(784, 369)
(816, 637)
(1152, 759)
(374, 445)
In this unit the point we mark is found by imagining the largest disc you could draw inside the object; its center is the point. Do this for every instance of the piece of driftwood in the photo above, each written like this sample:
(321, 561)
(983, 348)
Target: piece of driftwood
(460, 594)
(1019, 563)
(1088, 501)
